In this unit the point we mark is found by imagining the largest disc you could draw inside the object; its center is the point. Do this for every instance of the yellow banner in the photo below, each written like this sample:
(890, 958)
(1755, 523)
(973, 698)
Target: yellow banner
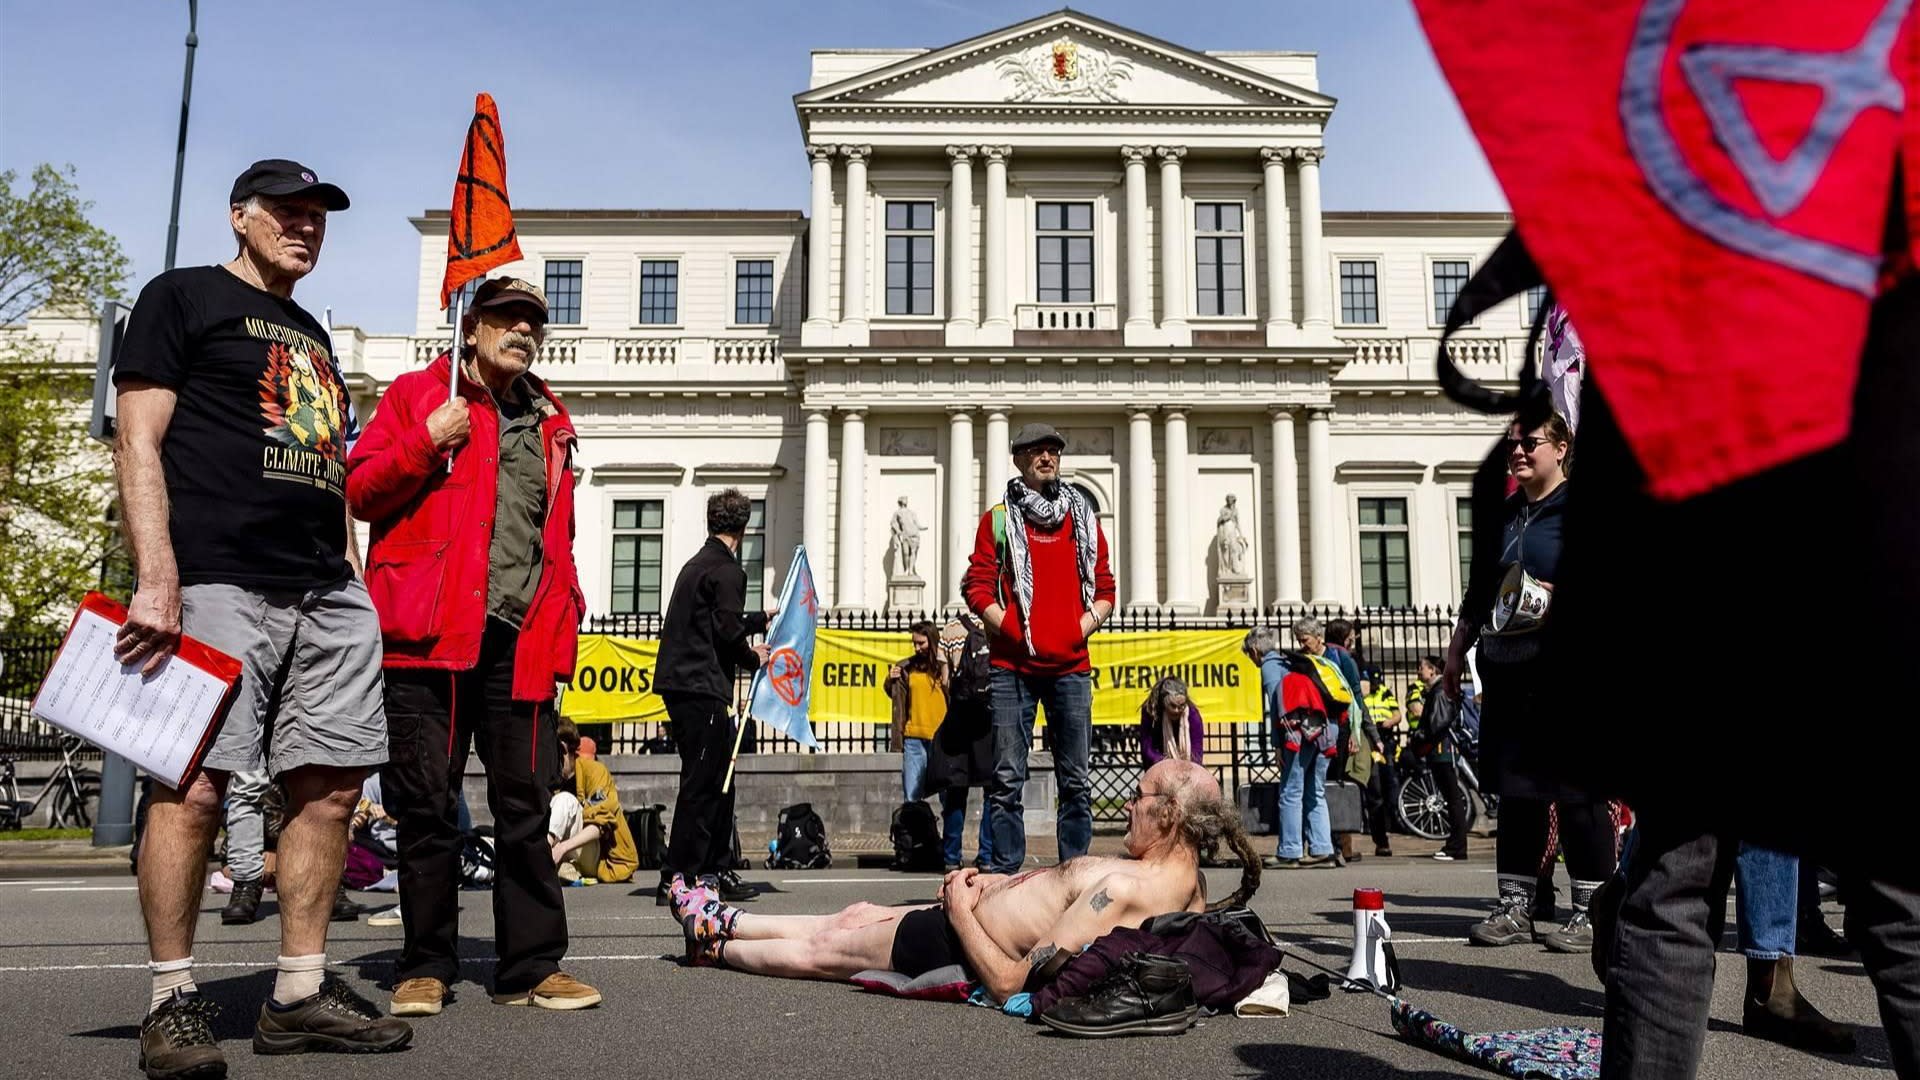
(614, 680)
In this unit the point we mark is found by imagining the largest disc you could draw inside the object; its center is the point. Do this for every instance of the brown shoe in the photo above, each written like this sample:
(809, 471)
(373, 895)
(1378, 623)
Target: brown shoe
(559, 991)
(336, 1020)
(418, 997)
(176, 1042)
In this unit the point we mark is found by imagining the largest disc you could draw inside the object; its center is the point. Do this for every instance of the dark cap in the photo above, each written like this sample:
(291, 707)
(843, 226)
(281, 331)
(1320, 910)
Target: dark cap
(502, 291)
(1032, 435)
(281, 178)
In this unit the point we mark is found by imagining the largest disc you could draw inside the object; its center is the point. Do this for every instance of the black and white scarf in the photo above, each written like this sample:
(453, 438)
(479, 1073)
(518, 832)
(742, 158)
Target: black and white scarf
(1028, 507)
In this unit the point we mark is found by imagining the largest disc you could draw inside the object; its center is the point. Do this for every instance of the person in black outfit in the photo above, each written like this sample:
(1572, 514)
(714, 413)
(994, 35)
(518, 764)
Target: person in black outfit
(1516, 694)
(703, 644)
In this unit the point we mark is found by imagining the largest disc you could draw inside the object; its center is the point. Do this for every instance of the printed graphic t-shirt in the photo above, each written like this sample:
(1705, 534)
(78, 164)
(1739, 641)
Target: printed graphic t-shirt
(255, 456)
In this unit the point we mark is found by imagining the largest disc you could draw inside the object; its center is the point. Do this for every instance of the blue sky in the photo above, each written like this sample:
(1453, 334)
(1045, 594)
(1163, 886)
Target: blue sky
(605, 104)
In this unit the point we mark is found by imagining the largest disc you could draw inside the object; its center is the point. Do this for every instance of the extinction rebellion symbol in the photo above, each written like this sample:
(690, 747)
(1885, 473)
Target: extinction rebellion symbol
(788, 676)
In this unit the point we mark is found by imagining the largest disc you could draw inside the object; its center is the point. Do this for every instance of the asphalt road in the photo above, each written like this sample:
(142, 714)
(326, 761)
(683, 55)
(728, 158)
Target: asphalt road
(73, 985)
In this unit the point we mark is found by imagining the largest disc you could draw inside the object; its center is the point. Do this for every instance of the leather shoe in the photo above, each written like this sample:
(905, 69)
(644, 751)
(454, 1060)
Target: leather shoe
(1145, 995)
(243, 905)
(731, 889)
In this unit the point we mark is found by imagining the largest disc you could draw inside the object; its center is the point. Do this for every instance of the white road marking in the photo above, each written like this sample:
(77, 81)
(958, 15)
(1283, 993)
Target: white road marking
(267, 964)
(856, 880)
(45, 881)
(90, 888)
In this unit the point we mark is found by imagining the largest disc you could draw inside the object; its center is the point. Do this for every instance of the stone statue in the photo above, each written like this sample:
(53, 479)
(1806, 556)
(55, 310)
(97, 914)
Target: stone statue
(906, 539)
(1229, 542)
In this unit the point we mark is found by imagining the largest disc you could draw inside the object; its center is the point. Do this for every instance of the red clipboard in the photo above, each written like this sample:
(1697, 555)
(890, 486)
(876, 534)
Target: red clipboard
(196, 653)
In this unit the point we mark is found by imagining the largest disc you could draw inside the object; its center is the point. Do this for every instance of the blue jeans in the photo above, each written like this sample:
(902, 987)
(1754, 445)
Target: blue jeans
(1069, 703)
(1768, 915)
(913, 765)
(1303, 784)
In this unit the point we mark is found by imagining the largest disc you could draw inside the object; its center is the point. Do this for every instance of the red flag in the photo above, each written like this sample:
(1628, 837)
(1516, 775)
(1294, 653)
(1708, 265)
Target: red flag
(1704, 183)
(480, 235)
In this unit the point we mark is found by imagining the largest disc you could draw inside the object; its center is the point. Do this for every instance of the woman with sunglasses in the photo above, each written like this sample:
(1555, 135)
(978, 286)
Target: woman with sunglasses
(1515, 693)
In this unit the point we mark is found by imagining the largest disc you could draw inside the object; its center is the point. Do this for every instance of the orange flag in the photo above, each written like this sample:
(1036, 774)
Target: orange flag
(480, 236)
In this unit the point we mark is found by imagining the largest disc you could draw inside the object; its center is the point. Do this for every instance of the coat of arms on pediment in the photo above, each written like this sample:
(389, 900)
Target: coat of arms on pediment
(1065, 69)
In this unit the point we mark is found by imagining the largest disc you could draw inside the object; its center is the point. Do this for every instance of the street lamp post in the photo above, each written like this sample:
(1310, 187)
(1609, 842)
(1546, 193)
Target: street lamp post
(113, 825)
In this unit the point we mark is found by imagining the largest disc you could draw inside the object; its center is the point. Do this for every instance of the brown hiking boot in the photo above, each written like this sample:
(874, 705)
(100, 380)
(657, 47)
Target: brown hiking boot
(336, 1020)
(559, 991)
(176, 1042)
(418, 997)
(1775, 1011)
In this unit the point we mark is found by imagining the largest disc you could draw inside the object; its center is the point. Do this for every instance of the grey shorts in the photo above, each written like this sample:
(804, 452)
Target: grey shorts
(309, 689)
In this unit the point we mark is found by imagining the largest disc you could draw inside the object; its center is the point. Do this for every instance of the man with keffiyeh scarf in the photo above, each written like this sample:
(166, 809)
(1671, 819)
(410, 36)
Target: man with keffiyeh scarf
(1040, 582)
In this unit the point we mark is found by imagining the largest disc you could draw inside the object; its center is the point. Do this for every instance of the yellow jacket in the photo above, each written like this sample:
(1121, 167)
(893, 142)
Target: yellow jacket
(600, 805)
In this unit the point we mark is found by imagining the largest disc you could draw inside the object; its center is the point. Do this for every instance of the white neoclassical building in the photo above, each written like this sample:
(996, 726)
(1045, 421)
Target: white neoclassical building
(1061, 221)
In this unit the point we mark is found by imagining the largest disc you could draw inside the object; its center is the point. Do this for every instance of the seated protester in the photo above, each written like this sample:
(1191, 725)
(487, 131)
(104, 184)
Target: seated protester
(372, 827)
(1170, 725)
(1010, 933)
(588, 832)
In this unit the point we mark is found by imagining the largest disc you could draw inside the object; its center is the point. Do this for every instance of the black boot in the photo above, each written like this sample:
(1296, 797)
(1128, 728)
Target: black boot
(243, 906)
(1145, 995)
(1816, 938)
(344, 909)
(1775, 1011)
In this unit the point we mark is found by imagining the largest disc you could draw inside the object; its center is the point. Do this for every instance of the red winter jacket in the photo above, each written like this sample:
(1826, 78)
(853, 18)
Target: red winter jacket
(1058, 648)
(432, 533)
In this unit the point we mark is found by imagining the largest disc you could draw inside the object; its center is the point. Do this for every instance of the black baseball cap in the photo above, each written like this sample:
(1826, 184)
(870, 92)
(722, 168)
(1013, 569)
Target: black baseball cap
(1033, 435)
(281, 178)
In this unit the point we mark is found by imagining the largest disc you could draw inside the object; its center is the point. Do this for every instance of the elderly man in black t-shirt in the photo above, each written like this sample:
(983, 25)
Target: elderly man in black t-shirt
(233, 431)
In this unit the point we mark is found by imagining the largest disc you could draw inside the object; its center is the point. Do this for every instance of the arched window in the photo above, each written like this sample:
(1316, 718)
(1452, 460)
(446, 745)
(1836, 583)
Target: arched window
(1087, 493)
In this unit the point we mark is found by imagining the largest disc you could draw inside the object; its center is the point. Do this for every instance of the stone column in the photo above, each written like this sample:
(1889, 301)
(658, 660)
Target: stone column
(852, 560)
(1139, 266)
(994, 227)
(1286, 508)
(997, 463)
(1179, 486)
(1142, 569)
(813, 511)
(960, 239)
(1320, 503)
(853, 235)
(1173, 245)
(820, 239)
(1313, 253)
(962, 516)
(1279, 243)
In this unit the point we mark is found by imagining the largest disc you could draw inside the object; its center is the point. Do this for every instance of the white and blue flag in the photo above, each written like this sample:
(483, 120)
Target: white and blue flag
(778, 696)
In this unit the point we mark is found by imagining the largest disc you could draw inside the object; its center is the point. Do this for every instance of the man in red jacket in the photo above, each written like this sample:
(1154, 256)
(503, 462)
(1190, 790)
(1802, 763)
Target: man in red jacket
(1039, 580)
(472, 573)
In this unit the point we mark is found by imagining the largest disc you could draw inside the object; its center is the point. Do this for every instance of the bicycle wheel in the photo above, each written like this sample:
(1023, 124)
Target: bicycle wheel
(1423, 810)
(67, 812)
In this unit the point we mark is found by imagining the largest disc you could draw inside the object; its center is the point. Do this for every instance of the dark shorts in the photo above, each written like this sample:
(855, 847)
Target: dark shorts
(924, 941)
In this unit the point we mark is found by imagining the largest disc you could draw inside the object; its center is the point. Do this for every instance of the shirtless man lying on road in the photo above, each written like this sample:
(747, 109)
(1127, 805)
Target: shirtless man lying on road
(1009, 932)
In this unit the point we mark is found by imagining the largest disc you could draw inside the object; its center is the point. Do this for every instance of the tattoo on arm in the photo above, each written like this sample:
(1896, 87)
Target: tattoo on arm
(1100, 900)
(1041, 955)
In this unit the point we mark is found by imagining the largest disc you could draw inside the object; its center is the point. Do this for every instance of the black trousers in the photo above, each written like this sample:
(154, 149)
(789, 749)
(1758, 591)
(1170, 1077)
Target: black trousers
(1660, 974)
(432, 719)
(1459, 804)
(702, 833)
(1586, 835)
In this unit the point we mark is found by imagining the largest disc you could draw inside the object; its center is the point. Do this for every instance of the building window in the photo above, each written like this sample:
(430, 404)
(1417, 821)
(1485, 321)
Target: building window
(1535, 298)
(1359, 291)
(464, 297)
(909, 258)
(1449, 277)
(659, 292)
(1384, 557)
(563, 291)
(753, 291)
(1463, 538)
(639, 548)
(753, 554)
(1065, 252)
(1219, 246)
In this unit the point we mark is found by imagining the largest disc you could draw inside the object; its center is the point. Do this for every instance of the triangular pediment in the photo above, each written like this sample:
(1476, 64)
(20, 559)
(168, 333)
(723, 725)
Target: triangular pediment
(1064, 58)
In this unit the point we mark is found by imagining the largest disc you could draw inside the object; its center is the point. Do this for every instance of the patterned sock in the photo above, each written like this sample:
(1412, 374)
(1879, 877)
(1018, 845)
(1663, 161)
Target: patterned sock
(299, 978)
(1583, 894)
(711, 919)
(712, 954)
(168, 976)
(1517, 889)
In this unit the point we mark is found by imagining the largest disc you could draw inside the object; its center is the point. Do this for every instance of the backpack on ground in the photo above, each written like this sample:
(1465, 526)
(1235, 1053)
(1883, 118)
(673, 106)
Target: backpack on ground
(648, 824)
(916, 839)
(800, 841)
(972, 678)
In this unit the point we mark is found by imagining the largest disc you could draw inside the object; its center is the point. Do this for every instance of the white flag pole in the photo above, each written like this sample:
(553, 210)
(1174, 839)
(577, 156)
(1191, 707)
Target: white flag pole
(453, 361)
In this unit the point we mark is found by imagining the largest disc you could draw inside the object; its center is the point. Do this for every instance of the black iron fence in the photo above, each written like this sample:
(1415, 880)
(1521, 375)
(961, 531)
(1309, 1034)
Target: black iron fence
(24, 660)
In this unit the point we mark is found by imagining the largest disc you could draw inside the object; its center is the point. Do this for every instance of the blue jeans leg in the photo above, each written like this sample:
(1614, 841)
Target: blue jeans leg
(1319, 828)
(913, 765)
(953, 822)
(986, 833)
(1769, 892)
(1013, 709)
(1292, 781)
(1069, 704)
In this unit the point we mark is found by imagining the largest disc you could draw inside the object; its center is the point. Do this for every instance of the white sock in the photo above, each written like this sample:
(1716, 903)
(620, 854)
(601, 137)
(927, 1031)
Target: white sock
(299, 978)
(168, 976)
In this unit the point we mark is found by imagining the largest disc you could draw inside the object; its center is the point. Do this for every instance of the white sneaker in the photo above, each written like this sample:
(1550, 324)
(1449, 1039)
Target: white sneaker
(385, 917)
(1441, 856)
